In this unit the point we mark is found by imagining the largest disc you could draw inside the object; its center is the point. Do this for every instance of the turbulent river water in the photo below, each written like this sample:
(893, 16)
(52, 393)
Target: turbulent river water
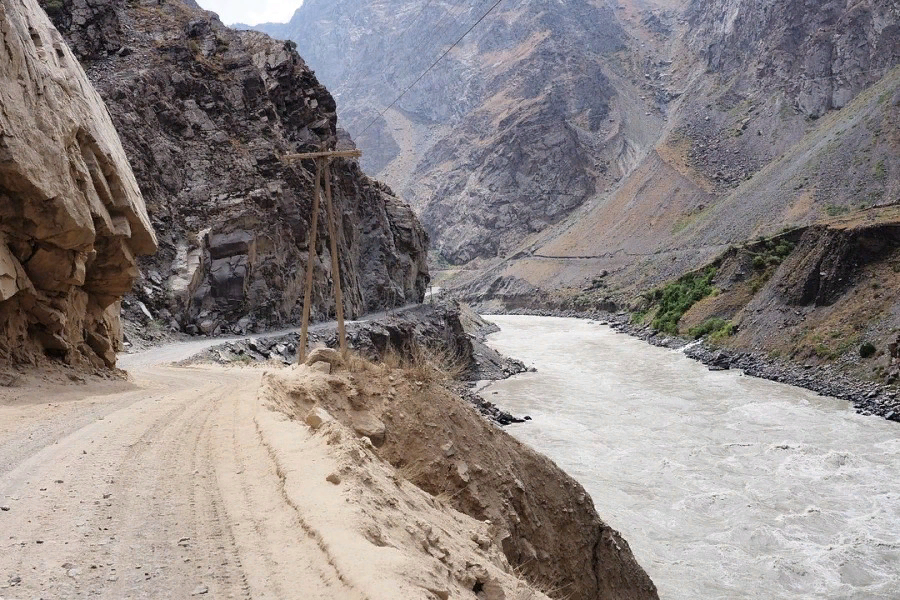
(725, 486)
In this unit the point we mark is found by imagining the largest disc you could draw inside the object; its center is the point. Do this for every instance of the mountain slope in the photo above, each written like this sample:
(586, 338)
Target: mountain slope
(206, 113)
(744, 154)
(520, 124)
(734, 120)
(721, 97)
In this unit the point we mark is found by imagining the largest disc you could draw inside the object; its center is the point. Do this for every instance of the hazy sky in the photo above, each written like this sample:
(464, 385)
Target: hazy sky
(252, 12)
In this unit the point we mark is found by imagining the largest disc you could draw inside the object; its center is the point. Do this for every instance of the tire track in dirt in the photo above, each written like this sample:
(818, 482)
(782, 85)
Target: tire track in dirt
(273, 536)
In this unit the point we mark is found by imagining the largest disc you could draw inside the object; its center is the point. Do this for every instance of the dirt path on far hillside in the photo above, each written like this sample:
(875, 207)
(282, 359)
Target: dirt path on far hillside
(155, 488)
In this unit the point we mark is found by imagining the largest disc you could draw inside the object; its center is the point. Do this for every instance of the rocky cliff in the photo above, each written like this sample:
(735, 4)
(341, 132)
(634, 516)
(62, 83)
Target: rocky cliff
(206, 115)
(72, 219)
(509, 133)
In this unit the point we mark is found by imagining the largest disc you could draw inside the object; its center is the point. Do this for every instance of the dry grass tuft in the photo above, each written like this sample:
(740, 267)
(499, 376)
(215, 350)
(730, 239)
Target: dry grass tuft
(531, 588)
(427, 365)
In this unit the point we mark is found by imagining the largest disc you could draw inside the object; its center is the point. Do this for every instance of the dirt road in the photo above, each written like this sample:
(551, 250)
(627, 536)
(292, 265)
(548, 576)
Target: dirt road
(155, 488)
(187, 482)
(178, 351)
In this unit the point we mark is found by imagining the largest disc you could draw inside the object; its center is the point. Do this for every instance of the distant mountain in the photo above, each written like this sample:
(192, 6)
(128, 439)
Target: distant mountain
(516, 127)
(550, 105)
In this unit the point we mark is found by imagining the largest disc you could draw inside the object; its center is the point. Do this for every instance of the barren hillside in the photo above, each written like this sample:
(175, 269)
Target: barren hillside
(529, 117)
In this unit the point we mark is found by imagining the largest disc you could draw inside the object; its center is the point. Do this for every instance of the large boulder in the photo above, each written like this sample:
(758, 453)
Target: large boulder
(72, 218)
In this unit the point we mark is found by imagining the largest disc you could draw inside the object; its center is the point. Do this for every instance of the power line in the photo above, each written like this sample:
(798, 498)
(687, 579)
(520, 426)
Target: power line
(432, 34)
(415, 20)
(433, 65)
(382, 75)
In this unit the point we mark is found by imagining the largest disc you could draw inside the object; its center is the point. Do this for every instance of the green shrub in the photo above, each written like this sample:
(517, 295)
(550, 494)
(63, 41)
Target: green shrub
(867, 350)
(834, 210)
(771, 253)
(727, 330)
(783, 249)
(676, 298)
(716, 328)
(53, 7)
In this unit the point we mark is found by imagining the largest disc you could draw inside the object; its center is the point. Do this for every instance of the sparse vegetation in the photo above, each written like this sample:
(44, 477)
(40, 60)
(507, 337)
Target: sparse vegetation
(715, 329)
(53, 7)
(880, 170)
(427, 365)
(678, 297)
(771, 253)
(836, 210)
(823, 351)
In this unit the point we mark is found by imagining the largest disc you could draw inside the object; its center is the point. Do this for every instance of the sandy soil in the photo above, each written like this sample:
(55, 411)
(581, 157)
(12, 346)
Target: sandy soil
(181, 483)
(542, 520)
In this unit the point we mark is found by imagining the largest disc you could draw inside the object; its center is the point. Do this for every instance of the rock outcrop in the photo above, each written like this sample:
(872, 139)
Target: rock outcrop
(72, 218)
(206, 115)
(820, 54)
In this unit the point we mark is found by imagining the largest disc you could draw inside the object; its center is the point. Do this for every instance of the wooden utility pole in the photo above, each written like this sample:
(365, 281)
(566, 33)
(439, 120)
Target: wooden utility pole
(323, 164)
(335, 263)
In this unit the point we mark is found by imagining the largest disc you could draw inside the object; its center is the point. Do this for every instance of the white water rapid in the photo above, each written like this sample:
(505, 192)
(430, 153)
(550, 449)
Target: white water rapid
(725, 486)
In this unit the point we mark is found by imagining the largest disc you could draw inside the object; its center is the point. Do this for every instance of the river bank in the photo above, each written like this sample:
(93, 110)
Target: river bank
(535, 516)
(867, 397)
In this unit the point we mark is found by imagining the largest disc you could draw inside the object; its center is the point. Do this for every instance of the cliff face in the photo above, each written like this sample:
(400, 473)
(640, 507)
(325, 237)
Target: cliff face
(822, 54)
(72, 219)
(509, 133)
(206, 114)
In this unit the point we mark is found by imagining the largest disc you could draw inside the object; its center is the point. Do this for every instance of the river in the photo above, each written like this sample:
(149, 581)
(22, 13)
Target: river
(725, 486)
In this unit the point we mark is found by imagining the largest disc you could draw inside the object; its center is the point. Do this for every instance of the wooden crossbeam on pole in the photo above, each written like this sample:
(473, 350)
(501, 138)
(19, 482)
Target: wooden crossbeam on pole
(335, 262)
(324, 154)
(307, 292)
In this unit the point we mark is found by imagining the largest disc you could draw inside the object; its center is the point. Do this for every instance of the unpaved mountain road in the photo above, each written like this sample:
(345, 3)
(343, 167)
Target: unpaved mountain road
(156, 488)
(178, 351)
